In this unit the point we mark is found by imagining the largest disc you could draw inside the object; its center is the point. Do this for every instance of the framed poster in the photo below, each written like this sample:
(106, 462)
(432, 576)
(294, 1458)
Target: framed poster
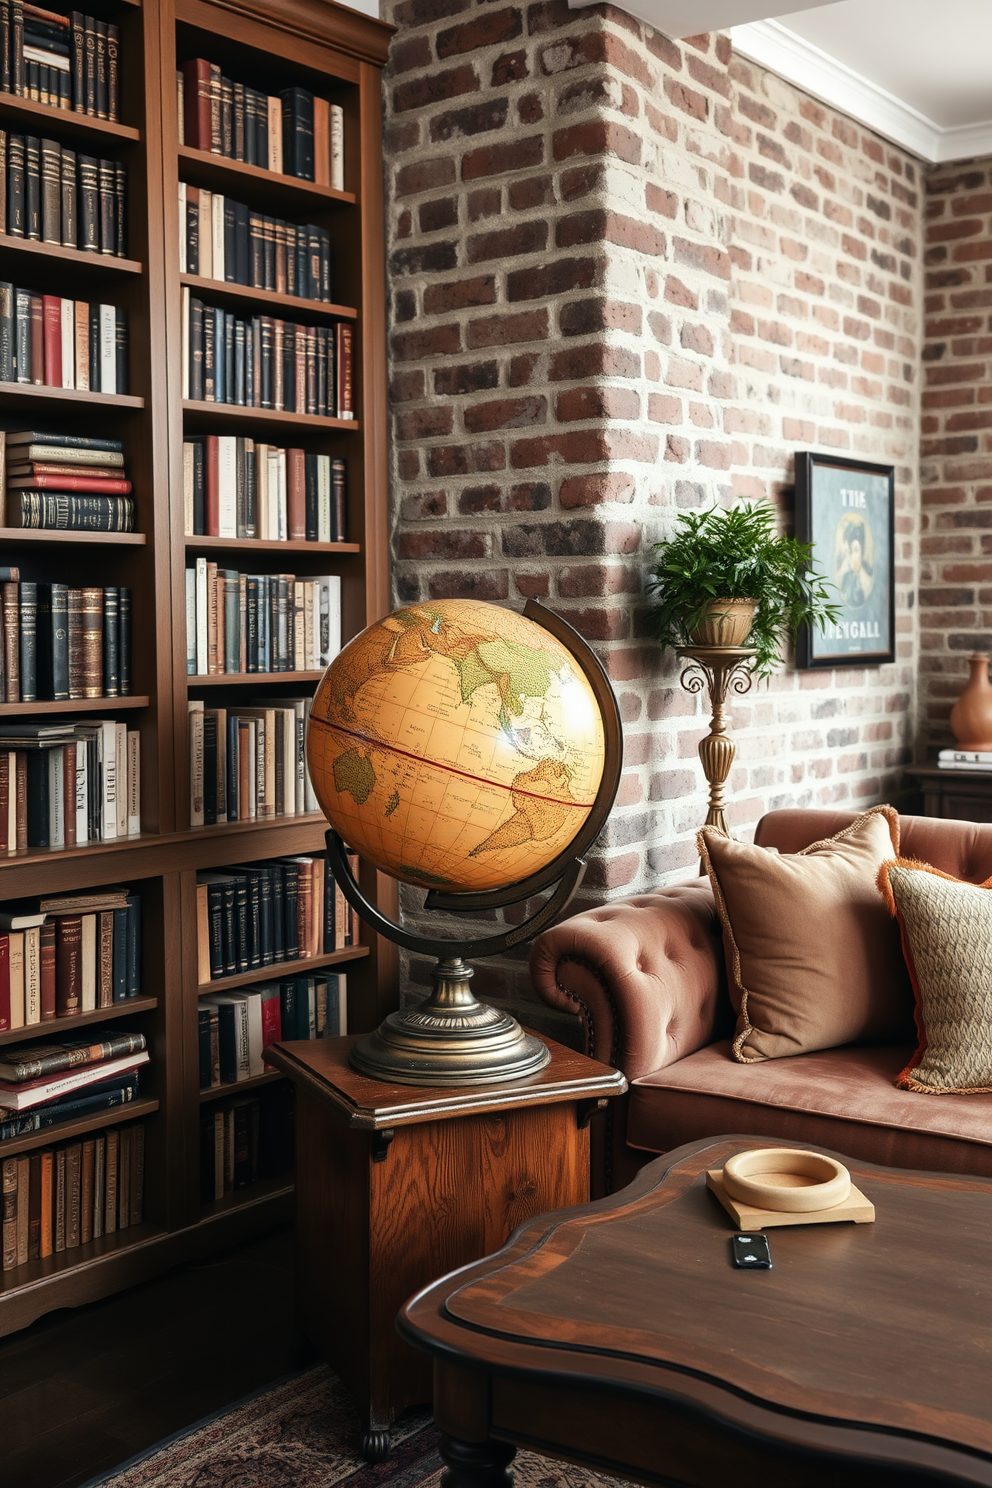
(846, 509)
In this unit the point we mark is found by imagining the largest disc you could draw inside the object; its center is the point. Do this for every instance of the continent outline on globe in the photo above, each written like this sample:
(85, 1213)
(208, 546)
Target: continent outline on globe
(456, 744)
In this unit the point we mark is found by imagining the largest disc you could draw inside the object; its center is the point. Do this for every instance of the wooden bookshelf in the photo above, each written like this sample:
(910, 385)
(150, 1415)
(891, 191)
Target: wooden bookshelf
(338, 54)
(277, 969)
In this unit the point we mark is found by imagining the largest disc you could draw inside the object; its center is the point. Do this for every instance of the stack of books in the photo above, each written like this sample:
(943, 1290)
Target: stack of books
(289, 909)
(235, 1028)
(266, 363)
(259, 623)
(66, 61)
(227, 240)
(52, 342)
(64, 1197)
(234, 487)
(66, 481)
(53, 196)
(64, 784)
(965, 759)
(292, 133)
(33, 1105)
(61, 643)
(69, 955)
(248, 761)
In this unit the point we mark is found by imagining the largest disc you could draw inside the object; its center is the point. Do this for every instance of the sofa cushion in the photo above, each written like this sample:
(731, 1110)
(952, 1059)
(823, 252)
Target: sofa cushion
(946, 929)
(844, 1099)
(813, 956)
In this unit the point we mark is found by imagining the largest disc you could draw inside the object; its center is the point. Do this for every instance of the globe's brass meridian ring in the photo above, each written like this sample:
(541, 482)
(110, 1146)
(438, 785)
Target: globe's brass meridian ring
(474, 752)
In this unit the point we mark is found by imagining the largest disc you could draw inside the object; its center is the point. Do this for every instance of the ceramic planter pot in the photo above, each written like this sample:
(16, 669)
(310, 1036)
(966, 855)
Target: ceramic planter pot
(971, 716)
(726, 622)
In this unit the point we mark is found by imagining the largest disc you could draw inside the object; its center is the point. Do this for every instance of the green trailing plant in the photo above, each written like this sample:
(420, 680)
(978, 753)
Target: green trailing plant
(737, 553)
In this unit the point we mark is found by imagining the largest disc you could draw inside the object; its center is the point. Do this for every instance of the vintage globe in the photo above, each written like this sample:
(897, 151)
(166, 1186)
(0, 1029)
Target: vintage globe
(456, 745)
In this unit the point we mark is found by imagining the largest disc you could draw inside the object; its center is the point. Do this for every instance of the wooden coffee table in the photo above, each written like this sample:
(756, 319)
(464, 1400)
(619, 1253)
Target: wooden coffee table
(619, 1335)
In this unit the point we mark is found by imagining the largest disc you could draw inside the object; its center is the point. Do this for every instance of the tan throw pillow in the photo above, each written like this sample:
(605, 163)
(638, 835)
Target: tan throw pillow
(813, 956)
(946, 930)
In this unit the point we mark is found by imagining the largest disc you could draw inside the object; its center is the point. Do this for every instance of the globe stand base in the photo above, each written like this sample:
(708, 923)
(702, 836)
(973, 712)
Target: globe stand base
(449, 1039)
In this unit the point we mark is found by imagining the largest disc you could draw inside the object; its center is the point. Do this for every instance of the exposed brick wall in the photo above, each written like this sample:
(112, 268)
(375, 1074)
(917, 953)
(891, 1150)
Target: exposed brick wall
(956, 446)
(630, 276)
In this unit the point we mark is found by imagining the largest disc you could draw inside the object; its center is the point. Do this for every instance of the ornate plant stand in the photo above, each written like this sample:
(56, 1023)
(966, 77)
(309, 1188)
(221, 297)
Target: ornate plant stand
(719, 669)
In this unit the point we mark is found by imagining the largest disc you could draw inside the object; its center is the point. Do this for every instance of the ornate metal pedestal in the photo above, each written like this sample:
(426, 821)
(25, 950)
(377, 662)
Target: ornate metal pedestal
(719, 669)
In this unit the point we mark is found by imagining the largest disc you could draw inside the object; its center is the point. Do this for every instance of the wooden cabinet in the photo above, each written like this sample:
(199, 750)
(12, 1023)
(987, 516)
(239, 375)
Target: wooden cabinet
(338, 54)
(957, 795)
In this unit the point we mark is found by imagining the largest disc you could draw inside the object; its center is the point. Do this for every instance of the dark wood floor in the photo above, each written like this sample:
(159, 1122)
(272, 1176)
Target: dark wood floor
(79, 1393)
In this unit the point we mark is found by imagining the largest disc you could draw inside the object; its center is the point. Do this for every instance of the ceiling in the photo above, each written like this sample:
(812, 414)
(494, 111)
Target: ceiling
(919, 72)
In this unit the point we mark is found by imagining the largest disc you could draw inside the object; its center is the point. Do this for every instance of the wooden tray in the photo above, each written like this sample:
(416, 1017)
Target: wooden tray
(855, 1208)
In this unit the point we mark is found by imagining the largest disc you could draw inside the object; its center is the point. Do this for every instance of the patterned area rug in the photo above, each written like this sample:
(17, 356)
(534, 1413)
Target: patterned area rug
(305, 1434)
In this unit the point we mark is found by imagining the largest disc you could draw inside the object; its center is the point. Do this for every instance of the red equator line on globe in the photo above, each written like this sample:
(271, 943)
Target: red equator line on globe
(417, 759)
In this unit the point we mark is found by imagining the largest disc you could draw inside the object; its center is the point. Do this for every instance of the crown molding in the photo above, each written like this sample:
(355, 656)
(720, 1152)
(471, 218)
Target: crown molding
(774, 46)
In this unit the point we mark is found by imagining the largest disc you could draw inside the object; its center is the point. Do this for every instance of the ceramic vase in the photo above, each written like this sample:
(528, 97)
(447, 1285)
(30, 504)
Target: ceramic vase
(726, 622)
(971, 716)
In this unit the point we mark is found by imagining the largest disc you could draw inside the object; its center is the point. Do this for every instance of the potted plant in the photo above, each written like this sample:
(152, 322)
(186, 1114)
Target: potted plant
(726, 577)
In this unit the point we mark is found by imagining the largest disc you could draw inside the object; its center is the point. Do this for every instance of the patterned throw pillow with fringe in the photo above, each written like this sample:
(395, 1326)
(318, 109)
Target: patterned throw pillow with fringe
(946, 929)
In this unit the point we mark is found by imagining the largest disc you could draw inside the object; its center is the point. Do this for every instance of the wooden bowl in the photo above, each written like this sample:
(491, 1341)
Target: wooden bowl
(786, 1180)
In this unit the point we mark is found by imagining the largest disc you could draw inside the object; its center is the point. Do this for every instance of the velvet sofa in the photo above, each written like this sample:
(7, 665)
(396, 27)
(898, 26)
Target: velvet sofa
(647, 978)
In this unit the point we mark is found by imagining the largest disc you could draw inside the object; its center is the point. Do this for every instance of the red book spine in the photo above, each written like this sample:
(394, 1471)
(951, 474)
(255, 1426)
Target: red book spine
(345, 370)
(52, 310)
(102, 484)
(296, 494)
(69, 793)
(212, 463)
(196, 97)
(271, 1021)
(48, 964)
(68, 965)
(5, 983)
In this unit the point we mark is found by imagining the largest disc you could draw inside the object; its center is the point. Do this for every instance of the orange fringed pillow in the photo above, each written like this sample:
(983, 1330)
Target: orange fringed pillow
(946, 930)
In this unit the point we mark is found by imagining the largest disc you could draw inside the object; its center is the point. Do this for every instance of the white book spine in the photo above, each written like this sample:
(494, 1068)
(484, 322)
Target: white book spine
(254, 1021)
(227, 484)
(108, 779)
(323, 498)
(196, 763)
(185, 344)
(191, 622)
(56, 799)
(330, 618)
(262, 490)
(282, 532)
(108, 349)
(206, 234)
(68, 320)
(337, 147)
(217, 236)
(188, 472)
(16, 963)
(275, 134)
(182, 227)
(201, 617)
(287, 739)
(32, 975)
(133, 783)
(120, 755)
(87, 961)
(82, 792)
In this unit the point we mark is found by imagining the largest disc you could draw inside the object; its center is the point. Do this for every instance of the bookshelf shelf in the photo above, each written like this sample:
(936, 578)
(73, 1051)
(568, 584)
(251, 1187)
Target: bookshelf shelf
(20, 535)
(253, 679)
(67, 398)
(57, 1027)
(276, 969)
(98, 133)
(213, 414)
(217, 173)
(239, 1087)
(132, 1111)
(292, 304)
(263, 545)
(288, 43)
(72, 705)
(103, 263)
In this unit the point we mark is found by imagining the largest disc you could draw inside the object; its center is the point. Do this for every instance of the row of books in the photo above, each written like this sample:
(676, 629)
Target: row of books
(259, 623)
(61, 643)
(248, 762)
(49, 195)
(236, 1027)
(234, 487)
(67, 480)
(63, 784)
(105, 1094)
(243, 1140)
(226, 240)
(53, 342)
(55, 963)
(67, 61)
(292, 133)
(64, 1197)
(257, 915)
(265, 362)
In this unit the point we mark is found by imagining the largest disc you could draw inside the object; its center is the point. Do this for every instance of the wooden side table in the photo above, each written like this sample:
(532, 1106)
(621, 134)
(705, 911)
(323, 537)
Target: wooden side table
(959, 795)
(396, 1185)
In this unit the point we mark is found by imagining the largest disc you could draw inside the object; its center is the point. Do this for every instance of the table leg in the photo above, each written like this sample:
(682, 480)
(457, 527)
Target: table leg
(476, 1464)
(377, 1443)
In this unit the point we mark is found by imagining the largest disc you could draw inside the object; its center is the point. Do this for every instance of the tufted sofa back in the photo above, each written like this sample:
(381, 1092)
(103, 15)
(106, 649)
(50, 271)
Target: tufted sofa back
(963, 849)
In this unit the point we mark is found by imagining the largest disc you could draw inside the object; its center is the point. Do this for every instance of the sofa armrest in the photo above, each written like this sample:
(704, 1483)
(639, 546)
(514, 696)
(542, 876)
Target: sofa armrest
(646, 976)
